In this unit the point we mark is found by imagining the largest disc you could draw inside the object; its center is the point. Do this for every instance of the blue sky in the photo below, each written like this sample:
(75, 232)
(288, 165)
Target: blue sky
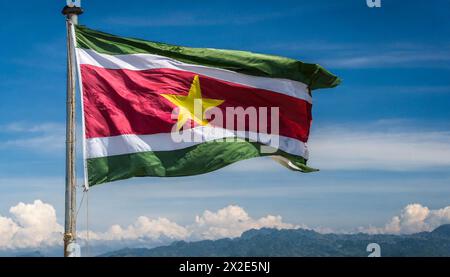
(382, 138)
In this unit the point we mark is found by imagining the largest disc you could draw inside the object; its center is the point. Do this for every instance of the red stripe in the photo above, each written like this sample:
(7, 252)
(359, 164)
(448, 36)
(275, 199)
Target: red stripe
(121, 101)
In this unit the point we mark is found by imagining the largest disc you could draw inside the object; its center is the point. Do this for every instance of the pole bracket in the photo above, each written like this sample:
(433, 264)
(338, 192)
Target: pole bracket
(68, 237)
(72, 10)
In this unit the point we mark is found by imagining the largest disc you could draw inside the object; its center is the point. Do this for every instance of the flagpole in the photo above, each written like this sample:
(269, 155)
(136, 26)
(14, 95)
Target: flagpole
(71, 12)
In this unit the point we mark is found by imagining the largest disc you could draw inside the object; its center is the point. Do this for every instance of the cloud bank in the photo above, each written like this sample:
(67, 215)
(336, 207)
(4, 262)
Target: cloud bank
(357, 55)
(45, 137)
(413, 218)
(35, 225)
(178, 19)
(350, 148)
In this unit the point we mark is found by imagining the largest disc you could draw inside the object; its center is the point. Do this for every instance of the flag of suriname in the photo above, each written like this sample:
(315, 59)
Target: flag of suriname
(136, 94)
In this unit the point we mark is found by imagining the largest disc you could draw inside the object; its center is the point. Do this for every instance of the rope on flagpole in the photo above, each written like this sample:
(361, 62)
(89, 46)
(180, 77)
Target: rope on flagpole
(79, 205)
(85, 196)
(86, 191)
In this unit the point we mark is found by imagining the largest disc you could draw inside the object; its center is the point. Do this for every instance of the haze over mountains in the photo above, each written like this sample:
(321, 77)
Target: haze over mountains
(301, 242)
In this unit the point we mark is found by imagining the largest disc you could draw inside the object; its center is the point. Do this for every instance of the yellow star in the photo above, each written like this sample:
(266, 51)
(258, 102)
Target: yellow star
(187, 103)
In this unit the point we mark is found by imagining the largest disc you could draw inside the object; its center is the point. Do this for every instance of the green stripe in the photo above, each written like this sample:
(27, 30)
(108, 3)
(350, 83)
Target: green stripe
(249, 63)
(193, 160)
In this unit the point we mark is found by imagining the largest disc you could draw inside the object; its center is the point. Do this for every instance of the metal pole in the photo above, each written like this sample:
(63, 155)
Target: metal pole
(71, 13)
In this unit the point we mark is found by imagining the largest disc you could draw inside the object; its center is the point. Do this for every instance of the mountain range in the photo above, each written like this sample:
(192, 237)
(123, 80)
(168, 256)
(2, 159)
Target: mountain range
(302, 243)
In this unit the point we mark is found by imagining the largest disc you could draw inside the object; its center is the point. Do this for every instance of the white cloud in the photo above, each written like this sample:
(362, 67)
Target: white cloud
(189, 19)
(232, 221)
(364, 55)
(391, 58)
(42, 137)
(353, 148)
(388, 144)
(30, 225)
(216, 17)
(22, 127)
(413, 218)
(143, 228)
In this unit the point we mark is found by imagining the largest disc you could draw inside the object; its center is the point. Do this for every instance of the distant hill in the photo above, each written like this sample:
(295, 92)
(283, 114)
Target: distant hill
(302, 243)
(33, 254)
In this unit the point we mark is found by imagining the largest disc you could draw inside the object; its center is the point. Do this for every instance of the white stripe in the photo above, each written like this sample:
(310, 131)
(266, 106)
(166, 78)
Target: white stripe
(128, 144)
(150, 61)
